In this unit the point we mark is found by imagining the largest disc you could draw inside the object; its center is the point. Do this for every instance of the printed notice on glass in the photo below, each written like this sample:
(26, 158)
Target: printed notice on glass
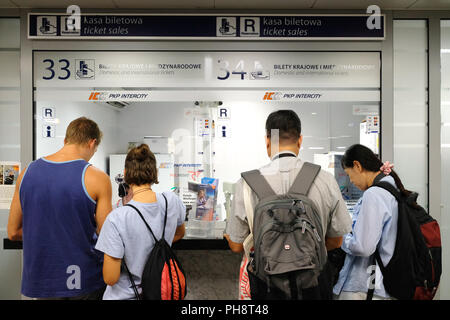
(9, 172)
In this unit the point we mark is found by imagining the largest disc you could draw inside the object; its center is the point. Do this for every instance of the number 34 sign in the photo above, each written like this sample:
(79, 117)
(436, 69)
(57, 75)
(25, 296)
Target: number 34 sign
(238, 71)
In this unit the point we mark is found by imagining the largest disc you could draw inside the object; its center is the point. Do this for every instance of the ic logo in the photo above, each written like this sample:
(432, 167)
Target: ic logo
(96, 96)
(272, 96)
(84, 69)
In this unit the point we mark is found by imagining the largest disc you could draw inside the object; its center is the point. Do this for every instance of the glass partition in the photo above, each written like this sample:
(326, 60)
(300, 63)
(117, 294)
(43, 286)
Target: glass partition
(203, 114)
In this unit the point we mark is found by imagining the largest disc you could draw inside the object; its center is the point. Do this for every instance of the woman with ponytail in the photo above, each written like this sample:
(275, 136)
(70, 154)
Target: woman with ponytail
(374, 225)
(124, 235)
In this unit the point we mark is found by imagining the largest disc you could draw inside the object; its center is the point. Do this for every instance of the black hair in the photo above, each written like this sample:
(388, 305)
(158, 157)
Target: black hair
(287, 121)
(370, 162)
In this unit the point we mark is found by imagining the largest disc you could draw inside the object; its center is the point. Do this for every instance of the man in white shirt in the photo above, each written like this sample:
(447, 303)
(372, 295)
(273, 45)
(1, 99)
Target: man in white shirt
(283, 142)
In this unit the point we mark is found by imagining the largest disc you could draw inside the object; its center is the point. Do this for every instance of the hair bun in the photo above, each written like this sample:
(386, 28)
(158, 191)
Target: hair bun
(142, 152)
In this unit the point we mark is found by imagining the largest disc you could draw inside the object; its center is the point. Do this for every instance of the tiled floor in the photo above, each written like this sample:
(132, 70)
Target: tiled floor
(211, 275)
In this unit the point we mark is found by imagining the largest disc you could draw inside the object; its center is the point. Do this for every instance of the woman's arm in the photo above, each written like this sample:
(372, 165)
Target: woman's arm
(111, 269)
(179, 233)
(368, 226)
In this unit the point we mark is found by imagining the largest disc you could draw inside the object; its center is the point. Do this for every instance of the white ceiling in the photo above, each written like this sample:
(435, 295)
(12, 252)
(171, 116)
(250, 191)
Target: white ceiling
(231, 4)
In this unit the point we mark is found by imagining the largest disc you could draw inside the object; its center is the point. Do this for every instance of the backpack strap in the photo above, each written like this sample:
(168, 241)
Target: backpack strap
(398, 196)
(305, 179)
(258, 184)
(165, 216)
(389, 187)
(376, 258)
(133, 284)
(130, 276)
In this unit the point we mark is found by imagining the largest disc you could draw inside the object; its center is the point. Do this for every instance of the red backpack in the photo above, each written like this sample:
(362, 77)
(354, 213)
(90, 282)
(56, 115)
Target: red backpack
(163, 277)
(414, 271)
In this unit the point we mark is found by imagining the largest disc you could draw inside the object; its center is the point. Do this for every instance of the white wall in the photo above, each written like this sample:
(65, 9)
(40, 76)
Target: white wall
(105, 116)
(411, 105)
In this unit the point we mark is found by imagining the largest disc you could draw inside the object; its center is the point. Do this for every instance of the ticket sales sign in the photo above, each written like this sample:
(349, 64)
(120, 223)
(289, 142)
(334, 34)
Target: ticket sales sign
(207, 27)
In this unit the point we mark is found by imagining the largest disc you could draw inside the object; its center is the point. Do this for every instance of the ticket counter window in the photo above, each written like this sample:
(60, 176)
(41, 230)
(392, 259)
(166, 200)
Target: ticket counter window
(203, 114)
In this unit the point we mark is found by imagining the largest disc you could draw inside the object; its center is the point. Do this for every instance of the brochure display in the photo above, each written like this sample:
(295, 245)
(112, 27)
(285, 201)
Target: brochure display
(9, 171)
(203, 221)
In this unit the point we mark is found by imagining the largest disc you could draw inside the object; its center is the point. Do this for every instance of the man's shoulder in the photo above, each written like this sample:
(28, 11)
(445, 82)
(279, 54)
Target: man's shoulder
(325, 177)
(96, 172)
(269, 169)
(326, 186)
(96, 178)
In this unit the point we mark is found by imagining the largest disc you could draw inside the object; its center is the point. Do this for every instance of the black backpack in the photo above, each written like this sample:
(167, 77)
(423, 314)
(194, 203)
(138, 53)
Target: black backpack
(163, 277)
(414, 271)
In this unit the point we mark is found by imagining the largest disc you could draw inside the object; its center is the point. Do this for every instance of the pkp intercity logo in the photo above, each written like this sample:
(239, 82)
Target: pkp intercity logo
(292, 96)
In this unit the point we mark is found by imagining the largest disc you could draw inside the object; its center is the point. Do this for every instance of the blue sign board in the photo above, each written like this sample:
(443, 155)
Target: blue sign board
(206, 27)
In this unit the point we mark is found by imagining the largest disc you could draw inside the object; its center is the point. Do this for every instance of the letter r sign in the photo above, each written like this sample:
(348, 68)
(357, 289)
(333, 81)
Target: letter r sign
(224, 113)
(48, 113)
(249, 26)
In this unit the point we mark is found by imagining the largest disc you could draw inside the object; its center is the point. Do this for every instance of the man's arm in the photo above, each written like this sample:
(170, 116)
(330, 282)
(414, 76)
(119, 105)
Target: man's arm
(234, 246)
(333, 243)
(237, 226)
(15, 213)
(99, 188)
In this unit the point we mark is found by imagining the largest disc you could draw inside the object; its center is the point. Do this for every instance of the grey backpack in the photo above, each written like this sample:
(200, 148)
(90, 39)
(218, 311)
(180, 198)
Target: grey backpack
(289, 252)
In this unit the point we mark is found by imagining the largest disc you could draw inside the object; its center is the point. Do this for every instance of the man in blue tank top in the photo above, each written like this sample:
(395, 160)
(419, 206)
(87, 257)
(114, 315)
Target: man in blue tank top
(58, 209)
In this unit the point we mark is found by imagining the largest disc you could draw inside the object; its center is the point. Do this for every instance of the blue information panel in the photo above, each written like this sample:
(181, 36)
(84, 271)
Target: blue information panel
(206, 27)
